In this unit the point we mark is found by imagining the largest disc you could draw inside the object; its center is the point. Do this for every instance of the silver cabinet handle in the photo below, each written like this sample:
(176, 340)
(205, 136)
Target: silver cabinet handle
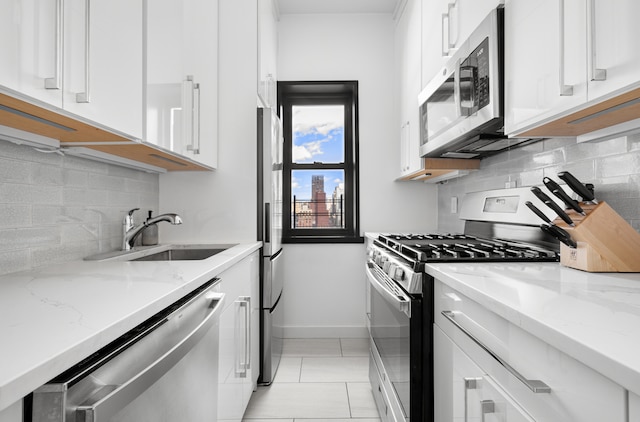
(187, 111)
(445, 50)
(596, 74)
(56, 81)
(195, 140)
(242, 335)
(85, 97)
(247, 333)
(397, 298)
(487, 407)
(565, 90)
(469, 384)
(535, 386)
(105, 408)
(450, 45)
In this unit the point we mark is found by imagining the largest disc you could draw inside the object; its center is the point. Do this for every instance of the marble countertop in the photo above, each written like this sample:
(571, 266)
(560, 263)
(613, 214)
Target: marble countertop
(53, 317)
(593, 317)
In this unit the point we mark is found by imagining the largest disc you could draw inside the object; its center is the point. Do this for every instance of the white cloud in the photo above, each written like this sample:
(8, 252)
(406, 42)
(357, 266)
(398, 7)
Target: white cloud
(317, 119)
(307, 151)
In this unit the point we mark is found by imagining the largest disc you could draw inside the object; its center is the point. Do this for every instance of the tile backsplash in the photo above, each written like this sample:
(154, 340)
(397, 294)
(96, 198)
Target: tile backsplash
(613, 166)
(57, 208)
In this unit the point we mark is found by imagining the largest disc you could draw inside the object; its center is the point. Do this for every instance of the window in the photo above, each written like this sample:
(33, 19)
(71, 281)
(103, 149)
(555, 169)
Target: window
(320, 126)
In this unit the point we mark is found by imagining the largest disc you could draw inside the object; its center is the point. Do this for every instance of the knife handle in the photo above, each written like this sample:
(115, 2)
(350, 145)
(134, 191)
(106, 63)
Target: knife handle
(576, 186)
(559, 234)
(537, 212)
(560, 193)
(551, 204)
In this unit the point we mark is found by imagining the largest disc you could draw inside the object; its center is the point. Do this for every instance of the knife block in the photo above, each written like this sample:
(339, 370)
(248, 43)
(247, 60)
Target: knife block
(606, 242)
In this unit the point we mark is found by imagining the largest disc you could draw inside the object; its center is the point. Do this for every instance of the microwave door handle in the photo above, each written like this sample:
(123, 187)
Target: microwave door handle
(470, 73)
(457, 96)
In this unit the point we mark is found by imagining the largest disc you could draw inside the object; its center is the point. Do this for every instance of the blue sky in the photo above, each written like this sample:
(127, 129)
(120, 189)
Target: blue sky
(318, 136)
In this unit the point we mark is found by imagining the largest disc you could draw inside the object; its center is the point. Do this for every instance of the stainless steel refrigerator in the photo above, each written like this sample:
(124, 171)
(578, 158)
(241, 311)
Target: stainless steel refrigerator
(270, 142)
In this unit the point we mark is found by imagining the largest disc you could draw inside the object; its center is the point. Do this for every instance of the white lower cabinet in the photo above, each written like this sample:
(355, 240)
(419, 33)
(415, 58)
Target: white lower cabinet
(464, 392)
(237, 362)
(634, 407)
(12, 413)
(494, 370)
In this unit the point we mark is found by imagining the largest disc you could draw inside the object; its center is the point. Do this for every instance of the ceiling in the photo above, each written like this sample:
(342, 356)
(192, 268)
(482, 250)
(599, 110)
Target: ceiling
(336, 6)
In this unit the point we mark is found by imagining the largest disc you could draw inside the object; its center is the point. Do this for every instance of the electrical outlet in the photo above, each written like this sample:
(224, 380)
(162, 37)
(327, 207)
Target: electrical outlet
(454, 204)
(510, 184)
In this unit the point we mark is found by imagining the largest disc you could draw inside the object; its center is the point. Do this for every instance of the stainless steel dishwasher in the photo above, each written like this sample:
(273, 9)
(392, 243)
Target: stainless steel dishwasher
(165, 369)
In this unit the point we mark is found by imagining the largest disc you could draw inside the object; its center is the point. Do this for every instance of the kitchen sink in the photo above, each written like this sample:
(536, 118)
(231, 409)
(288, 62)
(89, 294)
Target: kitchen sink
(163, 253)
(181, 254)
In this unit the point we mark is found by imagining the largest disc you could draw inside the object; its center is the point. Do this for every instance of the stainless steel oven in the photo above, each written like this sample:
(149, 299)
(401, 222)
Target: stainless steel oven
(498, 228)
(400, 371)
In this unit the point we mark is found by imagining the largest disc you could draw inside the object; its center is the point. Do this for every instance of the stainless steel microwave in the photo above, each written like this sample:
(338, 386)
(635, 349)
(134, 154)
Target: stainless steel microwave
(461, 109)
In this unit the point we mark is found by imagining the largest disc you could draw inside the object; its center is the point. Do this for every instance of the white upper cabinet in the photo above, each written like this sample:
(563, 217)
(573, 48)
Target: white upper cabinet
(613, 56)
(103, 63)
(82, 56)
(445, 25)
(267, 52)
(182, 78)
(581, 57)
(544, 64)
(408, 56)
(31, 49)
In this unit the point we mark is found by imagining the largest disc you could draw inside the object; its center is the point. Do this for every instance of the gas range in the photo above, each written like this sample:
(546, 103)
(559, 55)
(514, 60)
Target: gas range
(421, 248)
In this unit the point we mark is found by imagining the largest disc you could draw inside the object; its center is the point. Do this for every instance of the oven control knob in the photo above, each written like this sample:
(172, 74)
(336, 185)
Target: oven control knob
(391, 270)
(386, 265)
(398, 274)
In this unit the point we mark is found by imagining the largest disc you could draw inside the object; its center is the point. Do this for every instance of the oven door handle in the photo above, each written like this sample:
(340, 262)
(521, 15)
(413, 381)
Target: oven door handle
(399, 300)
(535, 386)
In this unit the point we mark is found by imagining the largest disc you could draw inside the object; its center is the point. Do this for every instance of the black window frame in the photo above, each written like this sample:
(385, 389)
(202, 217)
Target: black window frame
(295, 93)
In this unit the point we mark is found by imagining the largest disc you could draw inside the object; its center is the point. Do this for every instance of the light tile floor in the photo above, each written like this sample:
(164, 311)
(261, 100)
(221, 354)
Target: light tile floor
(318, 380)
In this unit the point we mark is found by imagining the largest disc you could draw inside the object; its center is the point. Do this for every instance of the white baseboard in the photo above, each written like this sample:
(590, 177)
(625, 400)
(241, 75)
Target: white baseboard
(326, 332)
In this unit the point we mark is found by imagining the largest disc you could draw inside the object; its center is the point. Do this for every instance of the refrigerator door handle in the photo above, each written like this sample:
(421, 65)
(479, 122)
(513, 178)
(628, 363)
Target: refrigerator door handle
(267, 222)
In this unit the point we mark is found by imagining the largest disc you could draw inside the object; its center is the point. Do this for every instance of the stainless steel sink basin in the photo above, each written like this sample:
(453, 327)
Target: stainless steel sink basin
(189, 252)
(180, 255)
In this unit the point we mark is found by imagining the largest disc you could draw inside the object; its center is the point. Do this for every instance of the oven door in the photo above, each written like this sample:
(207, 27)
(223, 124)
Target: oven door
(390, 329)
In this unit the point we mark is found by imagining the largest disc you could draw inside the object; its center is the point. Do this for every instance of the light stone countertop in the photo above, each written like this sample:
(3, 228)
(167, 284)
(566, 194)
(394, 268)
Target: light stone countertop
(593, 317)
(55, 316)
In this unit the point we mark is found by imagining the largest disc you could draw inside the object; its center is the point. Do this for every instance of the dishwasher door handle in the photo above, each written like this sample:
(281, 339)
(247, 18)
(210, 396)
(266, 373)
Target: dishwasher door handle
(120, 396)
(535, 386)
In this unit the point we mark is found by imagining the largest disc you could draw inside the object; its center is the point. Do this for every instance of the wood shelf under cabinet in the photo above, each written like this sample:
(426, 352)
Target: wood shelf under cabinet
(40, 120)
(614, 111)
(433, 168)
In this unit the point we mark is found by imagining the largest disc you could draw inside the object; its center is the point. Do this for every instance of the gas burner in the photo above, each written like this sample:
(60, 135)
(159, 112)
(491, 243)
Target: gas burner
(422, 248)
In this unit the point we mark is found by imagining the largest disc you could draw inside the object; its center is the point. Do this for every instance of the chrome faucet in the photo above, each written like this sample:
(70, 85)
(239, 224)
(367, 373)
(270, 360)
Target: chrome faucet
(130, 231)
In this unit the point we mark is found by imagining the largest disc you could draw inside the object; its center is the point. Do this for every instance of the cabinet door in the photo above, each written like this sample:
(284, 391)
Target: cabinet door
(182, 79)
(409, 55)
(236, 366)
(433, 38)
(613, 49)
(466, 15)
(230, 383)
(544, 64)
(634, 407)
(103, 63)
(31, 48)
(267, 52)
(465, 392)
(201, 61)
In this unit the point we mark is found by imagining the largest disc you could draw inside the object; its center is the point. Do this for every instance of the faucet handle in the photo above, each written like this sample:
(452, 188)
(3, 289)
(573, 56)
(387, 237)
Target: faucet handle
(132, 211)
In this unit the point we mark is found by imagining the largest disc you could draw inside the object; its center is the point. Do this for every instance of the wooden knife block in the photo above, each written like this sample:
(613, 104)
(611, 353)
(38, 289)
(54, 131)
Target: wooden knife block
(606, 242)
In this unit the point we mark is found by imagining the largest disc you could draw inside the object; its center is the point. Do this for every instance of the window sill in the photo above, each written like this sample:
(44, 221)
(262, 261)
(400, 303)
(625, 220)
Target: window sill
(323, 239)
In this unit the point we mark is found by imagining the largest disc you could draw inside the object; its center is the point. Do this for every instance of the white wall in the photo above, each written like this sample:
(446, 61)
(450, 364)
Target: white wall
(325, 284)
(221, 206)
